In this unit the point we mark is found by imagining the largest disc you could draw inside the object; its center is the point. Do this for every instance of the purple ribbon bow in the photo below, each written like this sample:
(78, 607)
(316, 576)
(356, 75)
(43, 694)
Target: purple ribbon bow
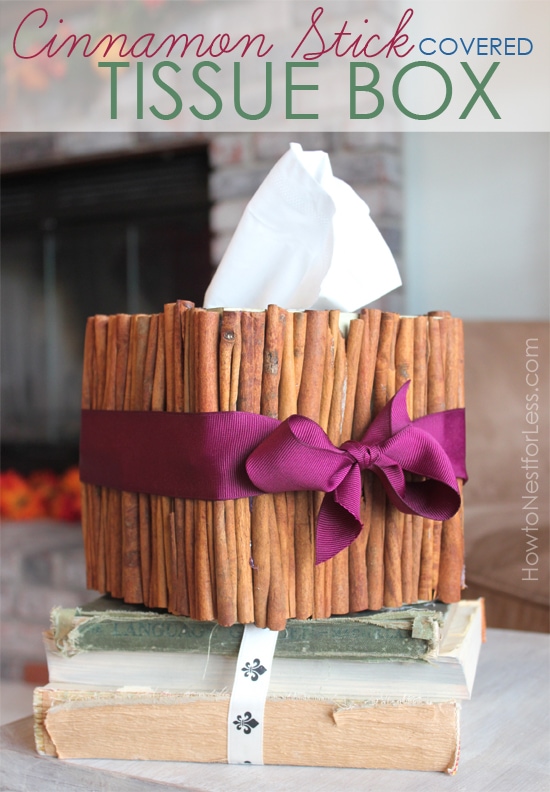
(298, 455)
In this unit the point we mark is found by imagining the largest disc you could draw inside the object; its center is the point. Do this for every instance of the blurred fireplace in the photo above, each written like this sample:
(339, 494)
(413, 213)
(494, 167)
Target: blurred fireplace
(116, 235)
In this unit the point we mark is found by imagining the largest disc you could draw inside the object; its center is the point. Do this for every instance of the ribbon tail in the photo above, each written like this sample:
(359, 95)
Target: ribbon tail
(433, 499)
(337, 528)
(449, 429)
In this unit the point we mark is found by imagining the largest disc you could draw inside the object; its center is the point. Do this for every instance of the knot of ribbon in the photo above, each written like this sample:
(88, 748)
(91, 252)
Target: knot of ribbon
(298, 455)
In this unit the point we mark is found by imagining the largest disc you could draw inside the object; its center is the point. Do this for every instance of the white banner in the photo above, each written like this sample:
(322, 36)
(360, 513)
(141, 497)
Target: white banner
(275, 65)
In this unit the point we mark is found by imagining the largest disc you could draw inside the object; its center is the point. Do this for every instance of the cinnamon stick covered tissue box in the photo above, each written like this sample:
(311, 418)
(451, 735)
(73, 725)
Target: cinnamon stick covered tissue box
(300, 456)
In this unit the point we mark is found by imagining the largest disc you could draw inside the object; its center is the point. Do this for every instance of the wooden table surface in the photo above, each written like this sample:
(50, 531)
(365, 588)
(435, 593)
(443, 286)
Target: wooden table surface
(505, 746)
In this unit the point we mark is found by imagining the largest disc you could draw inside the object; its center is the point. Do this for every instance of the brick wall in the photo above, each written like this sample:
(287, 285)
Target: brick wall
(41, 566)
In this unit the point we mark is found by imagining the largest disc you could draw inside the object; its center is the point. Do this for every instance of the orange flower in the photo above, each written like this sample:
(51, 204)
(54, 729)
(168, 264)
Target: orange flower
(70, 480)
(66, 504)
(43, 494)
(18, 501)
(44, 482)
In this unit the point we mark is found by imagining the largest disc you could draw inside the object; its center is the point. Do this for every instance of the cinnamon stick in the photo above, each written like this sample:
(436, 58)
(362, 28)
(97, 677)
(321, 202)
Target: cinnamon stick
(444, 324)
(133, 399)
(87, 364)
(261, 523)
(98, 389)
(426, 561)
(101, 324)
(189, 364)
(203, 571)
(230, 359)
(383, 389)
(299, 342)
(109, 392)
(340, 563)
(300, 329)
(86, 489)
(323, 572)
(276, 529)
(113, 507)
(181, 595)
(354, 343)
(158, 593)
(249, 400)
(123, 350)
(339, 569)
(328, 375)
(436, 403)
(304, 554)
(245, 585)
(207, 325)
(243, 373)
(393, 528)
(358, 584)
(231, 544)
(288, 405)
(275, 322)
(225, 541)
(180, 328)
(309, 404)
(404, 362)
(237, 512)
(171, 530)
(422, 528)
(339, 390)
(106, 402)
(144, 500)
(311, 383)
(452, 537)
(167, 504)
(169, 315)
(362, 414)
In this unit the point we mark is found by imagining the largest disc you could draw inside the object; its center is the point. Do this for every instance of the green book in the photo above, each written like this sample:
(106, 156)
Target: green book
(107, 624)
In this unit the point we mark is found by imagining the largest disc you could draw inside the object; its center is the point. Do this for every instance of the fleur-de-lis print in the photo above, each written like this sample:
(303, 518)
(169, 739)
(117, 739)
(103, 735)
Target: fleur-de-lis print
(254, 670)
(245, 722)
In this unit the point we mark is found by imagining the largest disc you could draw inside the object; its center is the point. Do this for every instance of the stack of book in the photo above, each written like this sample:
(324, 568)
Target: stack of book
(370, 690)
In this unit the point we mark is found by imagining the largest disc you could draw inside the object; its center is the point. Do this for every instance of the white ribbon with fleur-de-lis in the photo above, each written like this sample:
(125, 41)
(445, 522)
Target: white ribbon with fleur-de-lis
(245, 725)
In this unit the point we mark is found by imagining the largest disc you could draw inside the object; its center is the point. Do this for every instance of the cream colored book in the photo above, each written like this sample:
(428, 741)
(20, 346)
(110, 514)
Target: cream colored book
(126, 724)
(449, 674)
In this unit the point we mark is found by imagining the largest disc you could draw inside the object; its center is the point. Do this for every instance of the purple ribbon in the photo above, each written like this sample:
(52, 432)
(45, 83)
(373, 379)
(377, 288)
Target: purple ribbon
(221, 456)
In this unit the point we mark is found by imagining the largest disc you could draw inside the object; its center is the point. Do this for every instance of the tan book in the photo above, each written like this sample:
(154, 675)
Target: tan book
(174, 726)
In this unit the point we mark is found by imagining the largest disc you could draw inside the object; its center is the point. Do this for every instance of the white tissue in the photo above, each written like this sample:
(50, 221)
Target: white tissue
(305, 240)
